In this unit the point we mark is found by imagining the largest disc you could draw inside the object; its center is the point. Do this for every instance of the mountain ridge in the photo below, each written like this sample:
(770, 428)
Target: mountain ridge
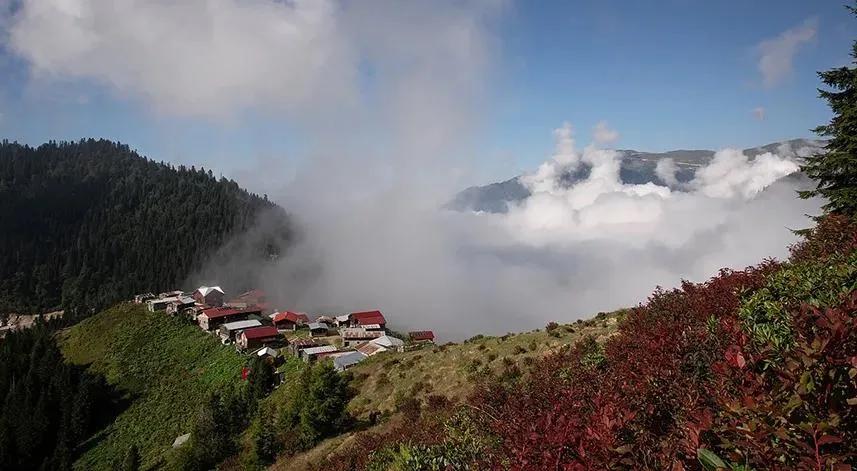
(638, 167)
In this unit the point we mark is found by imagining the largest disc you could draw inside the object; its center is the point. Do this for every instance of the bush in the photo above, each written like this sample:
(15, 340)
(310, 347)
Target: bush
(519, 350)
(551, 326)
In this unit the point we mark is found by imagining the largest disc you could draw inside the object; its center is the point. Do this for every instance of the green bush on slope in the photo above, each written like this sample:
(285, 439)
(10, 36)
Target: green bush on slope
(166, 367)
(765, 315)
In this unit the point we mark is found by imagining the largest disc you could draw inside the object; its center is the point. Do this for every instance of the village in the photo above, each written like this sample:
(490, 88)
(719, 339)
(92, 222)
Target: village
(248, 322)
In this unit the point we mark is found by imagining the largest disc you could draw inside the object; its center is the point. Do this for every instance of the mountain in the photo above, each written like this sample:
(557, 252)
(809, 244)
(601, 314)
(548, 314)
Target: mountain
(87, 223)
(636, 168)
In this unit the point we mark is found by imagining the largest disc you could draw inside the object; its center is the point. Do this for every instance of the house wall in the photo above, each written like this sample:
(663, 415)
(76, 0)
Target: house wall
(285, 325)
(214, 298)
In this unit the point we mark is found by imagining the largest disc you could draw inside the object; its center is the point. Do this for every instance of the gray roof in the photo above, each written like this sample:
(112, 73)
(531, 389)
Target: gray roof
(317, 325)
(241, 324)
(267, 351)
(321, 349)
(388, 341)
(348, 359)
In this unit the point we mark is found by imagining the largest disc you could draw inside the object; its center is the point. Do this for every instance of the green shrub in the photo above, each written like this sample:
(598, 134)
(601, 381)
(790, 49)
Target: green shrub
(765, 314)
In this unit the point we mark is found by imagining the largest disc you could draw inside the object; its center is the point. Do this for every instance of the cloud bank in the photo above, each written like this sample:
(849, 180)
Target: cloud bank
(388, 96)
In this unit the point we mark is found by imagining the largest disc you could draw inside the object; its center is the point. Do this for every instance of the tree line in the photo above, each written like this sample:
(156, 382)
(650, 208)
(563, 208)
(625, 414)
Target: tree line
(50, 408)
(91, 222)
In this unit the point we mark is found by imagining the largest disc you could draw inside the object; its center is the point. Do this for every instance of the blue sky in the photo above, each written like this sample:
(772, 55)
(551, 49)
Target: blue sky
(666, 74)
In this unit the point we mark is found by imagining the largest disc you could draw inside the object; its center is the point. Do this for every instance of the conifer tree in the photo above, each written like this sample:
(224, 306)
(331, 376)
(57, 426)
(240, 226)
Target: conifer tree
(835, 170)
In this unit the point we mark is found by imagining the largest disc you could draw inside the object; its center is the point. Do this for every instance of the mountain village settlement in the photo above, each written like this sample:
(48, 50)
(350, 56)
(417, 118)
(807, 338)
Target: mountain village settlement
(248, 322)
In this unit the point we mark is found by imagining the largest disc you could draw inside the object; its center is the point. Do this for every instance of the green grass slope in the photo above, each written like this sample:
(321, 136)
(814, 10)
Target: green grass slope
(164, 365)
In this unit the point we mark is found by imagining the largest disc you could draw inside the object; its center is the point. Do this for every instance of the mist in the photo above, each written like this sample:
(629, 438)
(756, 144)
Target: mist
(389, 99)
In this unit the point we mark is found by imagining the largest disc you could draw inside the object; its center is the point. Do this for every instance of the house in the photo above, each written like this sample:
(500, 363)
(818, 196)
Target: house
(343, 320)
(209, 296)
(374, 327)
(309, 354)
(389, 343)
(267, 352)
(362, 319)
(255, 337)
(171, 294)
(370, 349)
(213, 317)
(317, 329)
(348, 360)
(229, 330)
(381, 344)
(160, 304)
(353, 336)
(326, 320)
(251, 298)
(180, 305)
(296, 345)
(142, 298)
(422, 336)
(289, 320)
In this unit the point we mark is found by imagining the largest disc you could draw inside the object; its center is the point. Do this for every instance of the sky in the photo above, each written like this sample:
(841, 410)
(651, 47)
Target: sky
(361, 118)
(670, 73)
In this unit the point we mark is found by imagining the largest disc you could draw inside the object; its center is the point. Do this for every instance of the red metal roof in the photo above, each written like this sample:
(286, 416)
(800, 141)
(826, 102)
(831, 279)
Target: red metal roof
(375, 316)
(261, 332)
(422, 335)
(296, 317)
(216, 312)
(304, 343)
(371, 320)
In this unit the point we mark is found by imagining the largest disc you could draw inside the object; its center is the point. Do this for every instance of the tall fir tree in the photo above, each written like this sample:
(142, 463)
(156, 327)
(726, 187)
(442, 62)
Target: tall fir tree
(835, 170)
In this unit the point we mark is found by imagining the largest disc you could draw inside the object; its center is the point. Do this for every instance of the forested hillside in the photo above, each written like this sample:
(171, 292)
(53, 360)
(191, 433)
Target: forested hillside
(49, 406)
(87, 223)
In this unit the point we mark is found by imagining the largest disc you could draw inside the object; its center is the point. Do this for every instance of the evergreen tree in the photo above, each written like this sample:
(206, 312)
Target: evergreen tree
(323, 413)
(88, 223)
(47, 404)
(261, 380)
(132, 459)
(835, 171)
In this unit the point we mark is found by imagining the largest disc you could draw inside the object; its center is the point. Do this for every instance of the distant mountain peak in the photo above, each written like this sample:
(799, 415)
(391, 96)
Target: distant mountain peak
(637, 167)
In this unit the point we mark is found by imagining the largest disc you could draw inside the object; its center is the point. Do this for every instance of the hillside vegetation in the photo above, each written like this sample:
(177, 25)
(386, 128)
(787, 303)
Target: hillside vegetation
(385, 380)
(88, 223)
(754, 369)
(165, 367)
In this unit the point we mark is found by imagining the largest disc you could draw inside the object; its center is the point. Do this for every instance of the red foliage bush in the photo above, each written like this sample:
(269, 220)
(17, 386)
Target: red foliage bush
(677, 378)
(633, 407)
(802, 413)
(833, 234)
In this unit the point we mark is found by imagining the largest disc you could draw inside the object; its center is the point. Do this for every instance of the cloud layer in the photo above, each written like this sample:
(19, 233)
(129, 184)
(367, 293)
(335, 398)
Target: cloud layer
(387, 95)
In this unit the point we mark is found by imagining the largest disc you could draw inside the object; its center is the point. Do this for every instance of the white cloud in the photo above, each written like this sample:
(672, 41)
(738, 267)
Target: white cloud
(193, 58)
(217, 58)
(759, 113)
(776, 55)
(666, 170)
(604, 135)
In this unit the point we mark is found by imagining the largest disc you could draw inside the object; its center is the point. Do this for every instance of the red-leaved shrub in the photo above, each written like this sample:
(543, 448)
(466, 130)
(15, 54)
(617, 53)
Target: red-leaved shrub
(679, 376)
(833, 234)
